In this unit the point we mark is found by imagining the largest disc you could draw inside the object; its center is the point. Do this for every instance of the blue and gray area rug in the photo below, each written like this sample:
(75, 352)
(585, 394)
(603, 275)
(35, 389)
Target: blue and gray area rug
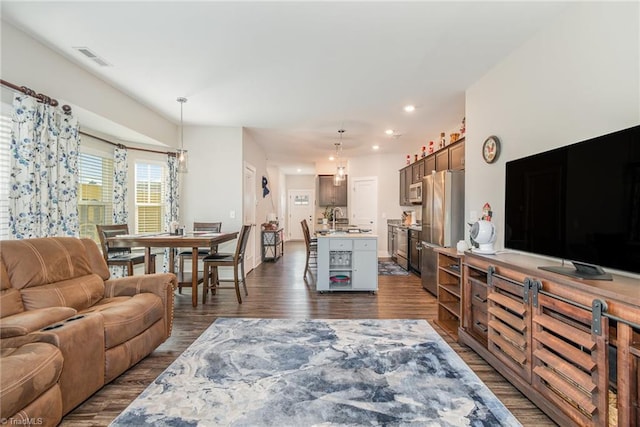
(390, 268)
(283, 372)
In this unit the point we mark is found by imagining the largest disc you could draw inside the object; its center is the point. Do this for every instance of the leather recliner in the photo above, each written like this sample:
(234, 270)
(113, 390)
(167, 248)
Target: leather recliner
(56, 297)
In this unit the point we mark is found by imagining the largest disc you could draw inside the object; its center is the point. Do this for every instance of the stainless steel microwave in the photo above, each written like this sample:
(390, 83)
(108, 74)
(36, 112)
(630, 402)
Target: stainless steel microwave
(415, 193)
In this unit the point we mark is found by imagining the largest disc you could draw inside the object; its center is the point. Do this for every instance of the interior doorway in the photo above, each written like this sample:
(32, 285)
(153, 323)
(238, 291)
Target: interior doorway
(364, 202)
(300, 206)
(249, 214)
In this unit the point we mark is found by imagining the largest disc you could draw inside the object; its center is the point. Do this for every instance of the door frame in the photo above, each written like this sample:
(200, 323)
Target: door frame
(249, 214)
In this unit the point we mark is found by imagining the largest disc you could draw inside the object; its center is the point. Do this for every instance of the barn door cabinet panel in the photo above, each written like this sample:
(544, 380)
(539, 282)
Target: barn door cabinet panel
(571, 346)
(509, 322)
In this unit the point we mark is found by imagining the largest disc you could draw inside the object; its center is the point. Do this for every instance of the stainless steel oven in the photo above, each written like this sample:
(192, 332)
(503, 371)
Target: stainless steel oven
(402, 244)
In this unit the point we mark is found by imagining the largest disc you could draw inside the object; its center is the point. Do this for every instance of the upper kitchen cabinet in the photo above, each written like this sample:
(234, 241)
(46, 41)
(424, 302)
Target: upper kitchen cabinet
(330, 194)
(429, 165)
(417, 171)
(456, 155)
(450, 157)
(405, 182)
(442, 160)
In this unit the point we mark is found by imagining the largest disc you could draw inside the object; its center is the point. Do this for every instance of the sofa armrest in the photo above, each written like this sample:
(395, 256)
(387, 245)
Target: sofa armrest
(161, 284)
(25, 322)
(15, 342)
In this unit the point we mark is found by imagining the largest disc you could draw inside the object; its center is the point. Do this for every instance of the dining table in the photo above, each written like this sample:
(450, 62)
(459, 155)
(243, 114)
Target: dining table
(193, 240)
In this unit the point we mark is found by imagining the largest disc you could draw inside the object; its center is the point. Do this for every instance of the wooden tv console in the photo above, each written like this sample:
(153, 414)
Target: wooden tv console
(557, 339)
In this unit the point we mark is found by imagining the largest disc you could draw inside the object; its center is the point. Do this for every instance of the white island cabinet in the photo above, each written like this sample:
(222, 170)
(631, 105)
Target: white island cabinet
(347, 262)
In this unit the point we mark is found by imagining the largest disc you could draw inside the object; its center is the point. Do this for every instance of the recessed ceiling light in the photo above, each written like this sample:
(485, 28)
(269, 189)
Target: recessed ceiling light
(299, 170)
(389, 131)
(376, 147)
(332, 158)
(409, 108)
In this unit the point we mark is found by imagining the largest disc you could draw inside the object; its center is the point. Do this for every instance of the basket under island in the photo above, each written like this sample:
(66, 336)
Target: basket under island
(347, 262)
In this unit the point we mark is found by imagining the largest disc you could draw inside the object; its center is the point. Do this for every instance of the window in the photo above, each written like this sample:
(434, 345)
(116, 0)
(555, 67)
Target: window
(5, 145)
(301, 200)
(95, 193)
(150, 198)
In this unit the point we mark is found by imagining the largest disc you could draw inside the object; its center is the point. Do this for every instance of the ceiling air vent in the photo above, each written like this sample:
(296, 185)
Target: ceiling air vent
(92, 56)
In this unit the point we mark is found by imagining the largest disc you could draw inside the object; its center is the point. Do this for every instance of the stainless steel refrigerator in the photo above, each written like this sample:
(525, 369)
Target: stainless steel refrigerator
(442, 219)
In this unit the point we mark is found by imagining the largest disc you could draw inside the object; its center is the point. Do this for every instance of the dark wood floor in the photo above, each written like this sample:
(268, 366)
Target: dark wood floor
(277, 290)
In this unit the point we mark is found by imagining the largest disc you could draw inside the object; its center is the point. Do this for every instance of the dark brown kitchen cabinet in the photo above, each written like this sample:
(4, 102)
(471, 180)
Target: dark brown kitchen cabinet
(456, 156)
(414, 250)
(405, 182)
(429, 165)
(442, 160)
(417, 171)
(330, 194)
(449, 157)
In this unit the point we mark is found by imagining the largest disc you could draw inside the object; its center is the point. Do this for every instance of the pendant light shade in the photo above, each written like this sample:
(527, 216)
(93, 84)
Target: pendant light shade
(181, 153)
(340, 169)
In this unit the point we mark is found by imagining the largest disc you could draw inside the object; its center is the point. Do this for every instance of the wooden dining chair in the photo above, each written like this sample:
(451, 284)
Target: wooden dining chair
(235, 260)
(120, 256)
(311, 244)
(211, 227)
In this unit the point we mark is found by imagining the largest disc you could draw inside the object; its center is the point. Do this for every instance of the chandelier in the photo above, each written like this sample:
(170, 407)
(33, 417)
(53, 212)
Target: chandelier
(181, 152)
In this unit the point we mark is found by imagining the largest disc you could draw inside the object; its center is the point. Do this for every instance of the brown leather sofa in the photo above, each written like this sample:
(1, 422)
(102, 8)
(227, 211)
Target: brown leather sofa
(66, 328)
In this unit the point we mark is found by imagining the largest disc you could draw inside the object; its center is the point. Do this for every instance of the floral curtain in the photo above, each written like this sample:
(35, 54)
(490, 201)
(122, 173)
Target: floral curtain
(172, 205)
(44, 171)
(120, 210)
(120, 167)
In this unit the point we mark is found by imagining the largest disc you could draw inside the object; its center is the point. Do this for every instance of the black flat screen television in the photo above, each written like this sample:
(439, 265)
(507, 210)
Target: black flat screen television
(580, 203)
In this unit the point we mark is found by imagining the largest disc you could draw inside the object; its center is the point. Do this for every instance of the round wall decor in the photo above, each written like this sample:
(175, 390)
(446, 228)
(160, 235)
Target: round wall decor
(491, 149)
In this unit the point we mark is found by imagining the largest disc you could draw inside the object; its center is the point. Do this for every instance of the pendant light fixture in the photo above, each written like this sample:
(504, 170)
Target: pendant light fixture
(340, 169)
(181, 152)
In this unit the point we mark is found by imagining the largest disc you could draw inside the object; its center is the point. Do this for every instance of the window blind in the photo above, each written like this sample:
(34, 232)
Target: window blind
(149, 197)
(95, 193)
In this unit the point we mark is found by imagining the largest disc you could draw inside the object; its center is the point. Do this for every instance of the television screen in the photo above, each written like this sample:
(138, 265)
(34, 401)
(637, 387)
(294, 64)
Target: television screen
(580, 202)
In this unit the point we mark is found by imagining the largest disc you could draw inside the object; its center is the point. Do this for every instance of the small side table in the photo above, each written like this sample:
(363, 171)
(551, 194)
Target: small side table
(272, 244)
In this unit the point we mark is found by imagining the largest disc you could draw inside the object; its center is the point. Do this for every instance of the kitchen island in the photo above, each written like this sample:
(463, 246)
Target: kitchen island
(347, 262)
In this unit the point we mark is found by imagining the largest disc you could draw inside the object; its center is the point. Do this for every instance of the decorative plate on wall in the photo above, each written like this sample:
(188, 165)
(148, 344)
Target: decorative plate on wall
(491, 149)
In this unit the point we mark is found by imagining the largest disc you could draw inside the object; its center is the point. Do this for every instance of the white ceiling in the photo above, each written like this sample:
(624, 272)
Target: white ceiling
(293, 73)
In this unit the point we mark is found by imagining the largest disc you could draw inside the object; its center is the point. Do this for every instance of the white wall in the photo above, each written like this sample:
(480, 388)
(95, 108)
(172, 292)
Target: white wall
(577, 79)
(385, 167)
(26, 62)
(213, 186)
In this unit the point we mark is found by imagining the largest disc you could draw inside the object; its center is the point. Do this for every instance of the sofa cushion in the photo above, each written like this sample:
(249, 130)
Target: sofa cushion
(96, 260)
(10, 301)
(78, 293)
(27, 372)
(33, 320)
(126, 317)
(35, 262)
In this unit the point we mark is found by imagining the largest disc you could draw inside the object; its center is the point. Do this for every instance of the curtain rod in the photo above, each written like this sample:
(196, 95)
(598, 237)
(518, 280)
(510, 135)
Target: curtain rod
(115, 144)
(39, 96)
(67, 110)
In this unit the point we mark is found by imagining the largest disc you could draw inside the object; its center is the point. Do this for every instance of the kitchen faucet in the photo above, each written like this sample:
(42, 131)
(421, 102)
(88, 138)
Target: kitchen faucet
(335, 211)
